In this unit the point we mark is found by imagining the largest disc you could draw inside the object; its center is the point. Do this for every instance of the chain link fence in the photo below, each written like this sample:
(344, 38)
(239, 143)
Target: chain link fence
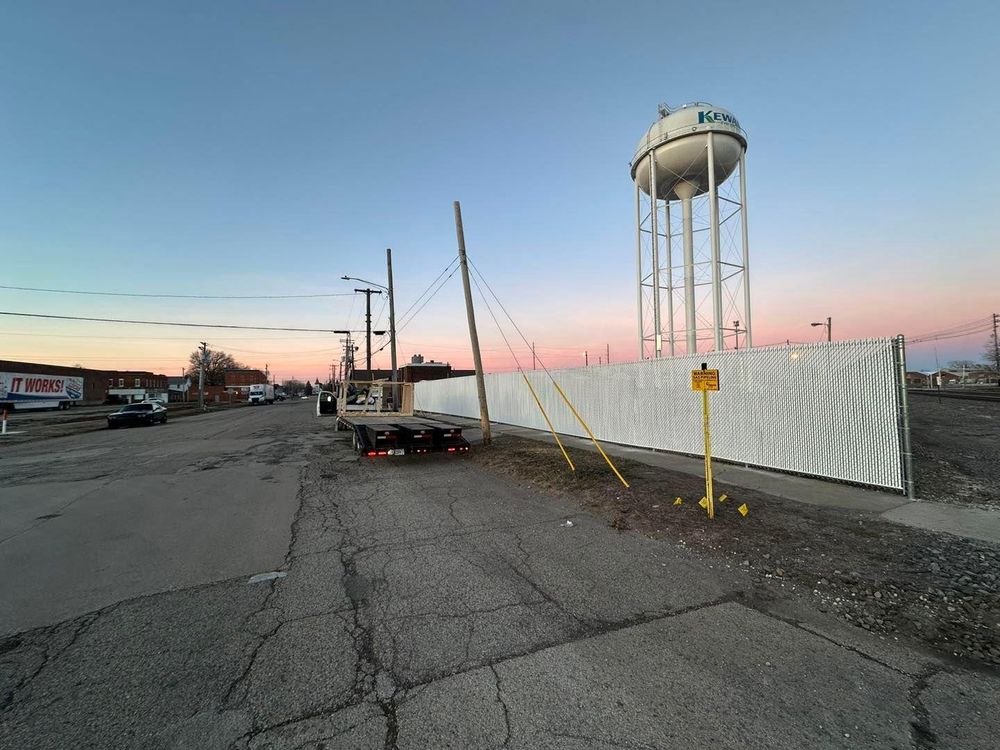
(833, 410)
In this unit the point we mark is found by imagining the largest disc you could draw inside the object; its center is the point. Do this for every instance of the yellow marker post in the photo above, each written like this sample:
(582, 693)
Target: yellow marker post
(706, 380)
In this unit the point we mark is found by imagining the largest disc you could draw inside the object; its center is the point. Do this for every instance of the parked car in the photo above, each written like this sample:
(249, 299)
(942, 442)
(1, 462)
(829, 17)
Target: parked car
(133, 414)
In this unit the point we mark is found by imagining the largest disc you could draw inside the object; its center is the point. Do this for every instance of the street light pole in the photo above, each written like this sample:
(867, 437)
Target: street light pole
(392, 311)
(368, 327)
(829, 328)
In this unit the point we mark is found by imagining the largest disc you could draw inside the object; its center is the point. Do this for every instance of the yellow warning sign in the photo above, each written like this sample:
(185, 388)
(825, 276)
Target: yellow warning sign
(704, 380)
(723, 498)
(703, 502)
(678, 501)
(743, 509)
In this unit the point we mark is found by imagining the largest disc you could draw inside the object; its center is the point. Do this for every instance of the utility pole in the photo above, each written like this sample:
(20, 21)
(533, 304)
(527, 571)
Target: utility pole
(368, 326)
(392, 317)
(996, 346)
(607, 351)
(586, 359)
(348, 355)
(484, 412)
(201, 375)
(736, 330)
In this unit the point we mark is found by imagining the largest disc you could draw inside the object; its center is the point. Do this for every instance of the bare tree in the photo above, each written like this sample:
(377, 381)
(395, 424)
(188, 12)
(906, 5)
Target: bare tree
(991, 354)
(957, 365)
(216, 366)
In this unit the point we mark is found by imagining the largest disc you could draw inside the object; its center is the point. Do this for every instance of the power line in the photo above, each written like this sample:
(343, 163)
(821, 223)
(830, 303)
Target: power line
(401, 325)
(175, 296)
(163, 323)
(160, 338)
(429, 287)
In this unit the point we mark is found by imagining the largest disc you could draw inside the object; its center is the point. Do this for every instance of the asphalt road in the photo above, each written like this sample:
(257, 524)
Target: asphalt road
(422, 604)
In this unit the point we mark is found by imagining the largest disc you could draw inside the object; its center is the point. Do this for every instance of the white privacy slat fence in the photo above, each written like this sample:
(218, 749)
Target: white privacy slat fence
(830, 410)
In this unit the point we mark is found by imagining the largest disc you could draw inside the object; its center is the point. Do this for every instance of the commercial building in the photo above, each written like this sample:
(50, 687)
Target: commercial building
(417, 370)
(136, 385)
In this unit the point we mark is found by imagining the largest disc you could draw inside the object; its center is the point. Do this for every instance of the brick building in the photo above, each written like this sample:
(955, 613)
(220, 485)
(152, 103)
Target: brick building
(244, 377)
(136, 385)
(417, 369)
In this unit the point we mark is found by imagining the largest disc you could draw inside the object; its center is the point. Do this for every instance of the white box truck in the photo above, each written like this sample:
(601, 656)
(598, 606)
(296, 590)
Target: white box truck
(262, 394)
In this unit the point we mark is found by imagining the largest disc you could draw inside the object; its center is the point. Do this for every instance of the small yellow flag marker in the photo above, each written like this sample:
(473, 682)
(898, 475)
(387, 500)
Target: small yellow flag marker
(703, 502)
(678, 501)
(723, 498)
(743, 509)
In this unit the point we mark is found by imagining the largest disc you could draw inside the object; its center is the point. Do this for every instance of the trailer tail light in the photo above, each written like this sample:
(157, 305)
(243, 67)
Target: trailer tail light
(370, 454)
(383, 453)
(452, 450)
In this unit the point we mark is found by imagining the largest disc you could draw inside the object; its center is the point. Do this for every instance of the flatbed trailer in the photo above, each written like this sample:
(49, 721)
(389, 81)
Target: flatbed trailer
(379, 416)
(399, 435)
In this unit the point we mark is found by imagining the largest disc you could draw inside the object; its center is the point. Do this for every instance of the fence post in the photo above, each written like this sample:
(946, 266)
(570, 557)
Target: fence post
(899, 350)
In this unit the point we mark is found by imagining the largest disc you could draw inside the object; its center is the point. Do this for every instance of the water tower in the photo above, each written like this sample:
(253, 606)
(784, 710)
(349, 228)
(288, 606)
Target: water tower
(693, 257)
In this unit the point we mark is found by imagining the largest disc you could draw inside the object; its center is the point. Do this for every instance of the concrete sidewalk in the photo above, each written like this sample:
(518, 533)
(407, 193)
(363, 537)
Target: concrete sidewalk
(960, 520)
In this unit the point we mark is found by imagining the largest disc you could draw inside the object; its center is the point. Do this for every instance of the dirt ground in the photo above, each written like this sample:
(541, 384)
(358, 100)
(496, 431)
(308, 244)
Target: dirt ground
(956, 450)
(935, 589)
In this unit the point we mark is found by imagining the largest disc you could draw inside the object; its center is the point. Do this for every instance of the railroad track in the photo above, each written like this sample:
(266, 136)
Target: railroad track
(970, 396)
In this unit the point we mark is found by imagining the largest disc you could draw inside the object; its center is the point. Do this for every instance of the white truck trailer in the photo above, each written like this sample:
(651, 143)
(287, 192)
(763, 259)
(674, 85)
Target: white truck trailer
(22, 391)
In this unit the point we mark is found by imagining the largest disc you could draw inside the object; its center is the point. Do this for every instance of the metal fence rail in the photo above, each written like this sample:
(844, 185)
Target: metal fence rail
(829, 409)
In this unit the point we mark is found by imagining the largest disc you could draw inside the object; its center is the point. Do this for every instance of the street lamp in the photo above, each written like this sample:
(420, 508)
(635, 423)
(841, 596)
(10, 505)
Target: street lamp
(829, 327)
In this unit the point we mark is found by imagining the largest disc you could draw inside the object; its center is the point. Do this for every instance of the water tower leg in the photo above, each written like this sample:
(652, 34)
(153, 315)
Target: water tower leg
(748, 337)
(713, 212)
(670, 278)
(655, 237)
(638, 268)
(685, 191)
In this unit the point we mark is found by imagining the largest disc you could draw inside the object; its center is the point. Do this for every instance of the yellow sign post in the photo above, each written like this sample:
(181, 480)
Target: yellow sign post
(706, 380)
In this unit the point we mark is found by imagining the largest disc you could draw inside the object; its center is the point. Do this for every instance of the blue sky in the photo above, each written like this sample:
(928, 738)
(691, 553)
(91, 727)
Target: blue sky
(271, 147)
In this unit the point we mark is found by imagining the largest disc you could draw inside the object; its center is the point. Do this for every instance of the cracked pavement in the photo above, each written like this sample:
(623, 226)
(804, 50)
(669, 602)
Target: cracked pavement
(426, 604)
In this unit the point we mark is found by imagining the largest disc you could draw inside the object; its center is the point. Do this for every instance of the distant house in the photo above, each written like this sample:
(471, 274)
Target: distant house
(980, 377)
(179, 388)
(916, 379)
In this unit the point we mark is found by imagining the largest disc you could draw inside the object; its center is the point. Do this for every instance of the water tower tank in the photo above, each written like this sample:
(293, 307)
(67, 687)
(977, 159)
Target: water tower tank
(689, 153)
(678, 141)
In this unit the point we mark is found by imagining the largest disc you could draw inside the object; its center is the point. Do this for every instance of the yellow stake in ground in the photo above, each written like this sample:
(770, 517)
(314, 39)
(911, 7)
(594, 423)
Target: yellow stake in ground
(706, 380)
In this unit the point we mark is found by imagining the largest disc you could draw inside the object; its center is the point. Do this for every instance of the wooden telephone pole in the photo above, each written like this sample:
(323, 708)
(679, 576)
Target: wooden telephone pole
(484, 413)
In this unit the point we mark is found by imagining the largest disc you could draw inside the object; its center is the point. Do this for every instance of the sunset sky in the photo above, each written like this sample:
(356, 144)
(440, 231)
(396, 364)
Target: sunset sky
(268, 148)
